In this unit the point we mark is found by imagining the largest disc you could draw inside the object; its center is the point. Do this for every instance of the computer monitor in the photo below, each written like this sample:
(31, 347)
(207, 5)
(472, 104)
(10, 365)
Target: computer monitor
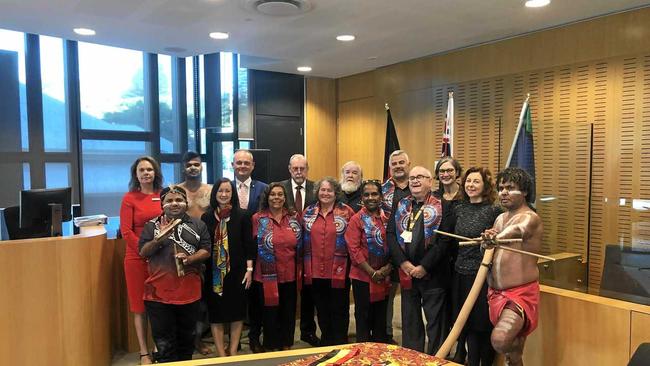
(45, 209)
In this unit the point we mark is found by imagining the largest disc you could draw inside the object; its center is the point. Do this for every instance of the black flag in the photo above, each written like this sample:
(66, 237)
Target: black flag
(392, 143)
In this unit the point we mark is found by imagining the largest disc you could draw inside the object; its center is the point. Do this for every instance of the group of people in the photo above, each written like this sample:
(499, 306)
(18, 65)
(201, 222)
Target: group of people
(199, 254)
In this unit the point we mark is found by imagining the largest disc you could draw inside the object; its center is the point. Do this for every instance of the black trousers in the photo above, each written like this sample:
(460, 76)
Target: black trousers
(255, 310)
(370, 317)
(279, 322)
(173, 328)
(307, 307)
(432, 300)
(333, 311)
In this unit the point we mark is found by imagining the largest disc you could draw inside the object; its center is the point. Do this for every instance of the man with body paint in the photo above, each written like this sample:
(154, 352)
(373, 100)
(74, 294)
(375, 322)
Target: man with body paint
(513, 293)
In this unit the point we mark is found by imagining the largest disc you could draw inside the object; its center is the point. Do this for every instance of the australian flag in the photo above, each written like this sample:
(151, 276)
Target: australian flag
(522, 153)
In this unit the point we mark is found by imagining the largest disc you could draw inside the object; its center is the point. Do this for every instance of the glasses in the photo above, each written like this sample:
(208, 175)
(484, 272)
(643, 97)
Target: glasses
(446, 171)
(298, 168)
(418, 178)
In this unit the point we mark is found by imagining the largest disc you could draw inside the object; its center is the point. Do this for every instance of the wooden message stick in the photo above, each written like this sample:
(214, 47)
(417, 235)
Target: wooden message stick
(478, 242)
(180, 268)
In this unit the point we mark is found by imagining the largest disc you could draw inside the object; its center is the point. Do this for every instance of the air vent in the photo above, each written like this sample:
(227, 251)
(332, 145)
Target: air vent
(281, 8)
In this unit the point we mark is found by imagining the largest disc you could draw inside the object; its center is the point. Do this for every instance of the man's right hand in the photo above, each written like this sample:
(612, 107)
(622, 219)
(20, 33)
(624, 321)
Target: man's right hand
(407, 267)
(489, 239)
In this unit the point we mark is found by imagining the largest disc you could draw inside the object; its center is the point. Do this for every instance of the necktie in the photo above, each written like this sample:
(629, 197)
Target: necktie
(298, 201)
(242, 192)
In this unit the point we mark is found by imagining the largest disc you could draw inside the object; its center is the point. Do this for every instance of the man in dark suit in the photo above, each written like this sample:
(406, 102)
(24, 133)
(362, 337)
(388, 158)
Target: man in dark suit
(300, 194)
(249, 191)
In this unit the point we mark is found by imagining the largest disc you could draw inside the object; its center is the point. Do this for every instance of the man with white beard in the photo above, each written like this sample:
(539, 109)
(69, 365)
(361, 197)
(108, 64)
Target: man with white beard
(351, 176)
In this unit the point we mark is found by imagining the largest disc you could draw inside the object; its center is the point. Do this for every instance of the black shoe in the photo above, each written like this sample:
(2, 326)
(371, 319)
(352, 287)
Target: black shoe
(311, 339)
(392, 340)
(255, 346)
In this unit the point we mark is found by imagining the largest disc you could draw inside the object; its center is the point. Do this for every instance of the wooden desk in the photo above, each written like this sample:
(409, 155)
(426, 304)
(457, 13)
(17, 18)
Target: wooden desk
(55, 304)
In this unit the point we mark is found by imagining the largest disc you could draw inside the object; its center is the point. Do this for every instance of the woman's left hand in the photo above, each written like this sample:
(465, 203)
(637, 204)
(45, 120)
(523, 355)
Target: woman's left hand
(248, 279)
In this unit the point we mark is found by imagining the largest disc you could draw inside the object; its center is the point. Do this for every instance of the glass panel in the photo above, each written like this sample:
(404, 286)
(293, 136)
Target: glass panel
(245, 144)
(106, 173)
(169, 128)
(223, 155)
(171, 173)
(202, 103)
(57, 175)
(111, 84)
(245, 123)
(13, 99)
(27, 177)
(189, 82)
(55, 128)
(226, 76)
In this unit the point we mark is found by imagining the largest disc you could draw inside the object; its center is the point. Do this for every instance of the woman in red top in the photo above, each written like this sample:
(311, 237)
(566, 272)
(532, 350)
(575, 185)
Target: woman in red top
(277, 233)
(370, 272)
(139, 205)
(325, 260)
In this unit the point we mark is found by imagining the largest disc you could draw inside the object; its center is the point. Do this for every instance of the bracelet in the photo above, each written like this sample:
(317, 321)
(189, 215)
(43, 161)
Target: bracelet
(249, 269)
(373, 274)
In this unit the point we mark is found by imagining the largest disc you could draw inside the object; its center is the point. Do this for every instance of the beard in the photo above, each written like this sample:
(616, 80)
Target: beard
(349, 187)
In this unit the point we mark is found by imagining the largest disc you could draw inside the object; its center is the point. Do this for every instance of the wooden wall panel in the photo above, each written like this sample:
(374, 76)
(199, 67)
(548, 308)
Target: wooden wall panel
(320, 127)
(593, 75)
(361, 135)
(639, 333)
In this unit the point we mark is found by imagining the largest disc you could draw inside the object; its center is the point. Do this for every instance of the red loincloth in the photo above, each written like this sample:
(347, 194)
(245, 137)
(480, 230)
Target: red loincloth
(526, 296)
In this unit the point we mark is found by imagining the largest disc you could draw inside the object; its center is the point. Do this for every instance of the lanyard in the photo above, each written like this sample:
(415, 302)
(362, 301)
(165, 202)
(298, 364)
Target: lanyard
(412, 219)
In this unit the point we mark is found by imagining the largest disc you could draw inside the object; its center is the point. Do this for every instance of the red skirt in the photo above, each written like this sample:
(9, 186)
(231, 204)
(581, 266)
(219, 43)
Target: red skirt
(136, 272)
(525, 296)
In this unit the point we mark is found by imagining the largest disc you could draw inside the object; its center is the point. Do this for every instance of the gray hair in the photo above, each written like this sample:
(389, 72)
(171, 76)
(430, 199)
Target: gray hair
(398, 153)
(338, 192)
(298, 156)
(244, 151)
(352, 162)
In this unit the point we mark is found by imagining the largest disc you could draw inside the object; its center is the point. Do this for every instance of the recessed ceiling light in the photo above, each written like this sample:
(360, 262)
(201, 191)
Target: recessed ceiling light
(84, 31)
(304, 68)
(346, 37)
(537, 3)
(219, 35)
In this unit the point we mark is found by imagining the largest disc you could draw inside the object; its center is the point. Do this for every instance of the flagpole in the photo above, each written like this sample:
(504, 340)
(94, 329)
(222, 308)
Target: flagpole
(450, 117)
(521, 120)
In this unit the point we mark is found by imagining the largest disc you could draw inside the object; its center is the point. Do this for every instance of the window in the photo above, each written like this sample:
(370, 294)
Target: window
(55, 128)
(189, 82)
(226, 76)
(245, 123)
(13, 99)
(169, 128)
(106, 173)
(171, 173)
(57, 175)
(111, 82)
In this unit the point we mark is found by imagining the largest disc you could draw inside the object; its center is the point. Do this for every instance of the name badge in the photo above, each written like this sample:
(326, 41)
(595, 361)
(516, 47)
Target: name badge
(407, 236)
(155, 198)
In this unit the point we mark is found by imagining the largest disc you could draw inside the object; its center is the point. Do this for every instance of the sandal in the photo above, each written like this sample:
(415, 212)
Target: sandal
(147, 356)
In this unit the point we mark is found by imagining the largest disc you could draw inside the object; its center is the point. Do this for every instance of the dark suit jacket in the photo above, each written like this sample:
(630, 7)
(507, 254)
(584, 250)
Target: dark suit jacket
(309, 198)
(254, 194)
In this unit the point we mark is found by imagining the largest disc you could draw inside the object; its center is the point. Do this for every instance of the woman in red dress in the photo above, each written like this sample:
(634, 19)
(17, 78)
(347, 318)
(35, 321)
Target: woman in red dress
(139, 205)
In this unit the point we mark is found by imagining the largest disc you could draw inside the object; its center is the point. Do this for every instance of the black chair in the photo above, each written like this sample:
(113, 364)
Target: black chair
(641, 356)
(12, 221)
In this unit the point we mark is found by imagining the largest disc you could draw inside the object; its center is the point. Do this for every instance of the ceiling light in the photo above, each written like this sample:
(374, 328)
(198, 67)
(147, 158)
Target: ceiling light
(84, 31)
(346, 37)
(537, 3)
(304, 68)
(219, 35)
